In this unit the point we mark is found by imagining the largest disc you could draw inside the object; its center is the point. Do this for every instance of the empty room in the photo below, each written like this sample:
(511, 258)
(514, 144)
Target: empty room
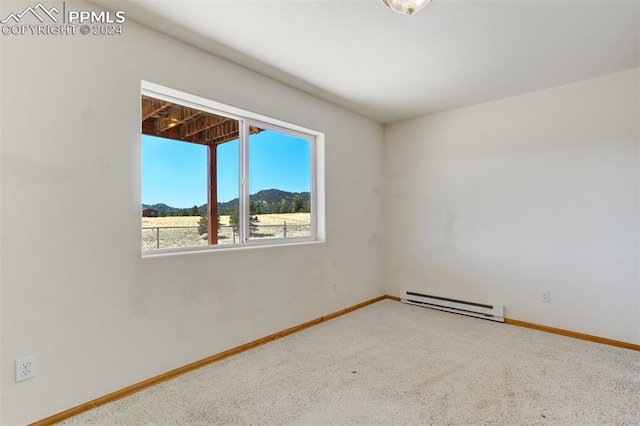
(320, 212)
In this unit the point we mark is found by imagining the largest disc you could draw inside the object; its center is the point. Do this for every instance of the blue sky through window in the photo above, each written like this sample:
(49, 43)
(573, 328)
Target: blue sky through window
(175, 173)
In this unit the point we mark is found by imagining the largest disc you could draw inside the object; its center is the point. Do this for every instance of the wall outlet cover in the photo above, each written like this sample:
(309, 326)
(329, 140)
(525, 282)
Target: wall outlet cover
(25, 368)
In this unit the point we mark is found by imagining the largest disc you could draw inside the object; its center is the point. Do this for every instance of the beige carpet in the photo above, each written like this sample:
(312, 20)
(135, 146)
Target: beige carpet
(391, 363)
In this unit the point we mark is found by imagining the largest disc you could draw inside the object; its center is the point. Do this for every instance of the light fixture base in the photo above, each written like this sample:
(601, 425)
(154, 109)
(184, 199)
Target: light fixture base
(406, 7)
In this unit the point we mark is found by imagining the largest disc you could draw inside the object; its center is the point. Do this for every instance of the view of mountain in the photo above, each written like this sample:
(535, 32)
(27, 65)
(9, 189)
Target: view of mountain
(265, 201)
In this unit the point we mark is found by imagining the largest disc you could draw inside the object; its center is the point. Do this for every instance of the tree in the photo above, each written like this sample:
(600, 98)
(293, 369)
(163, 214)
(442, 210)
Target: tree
(194, 211)
(284, 206)
(203, 224)
(234, 220)
(298, 204)
(255, 208)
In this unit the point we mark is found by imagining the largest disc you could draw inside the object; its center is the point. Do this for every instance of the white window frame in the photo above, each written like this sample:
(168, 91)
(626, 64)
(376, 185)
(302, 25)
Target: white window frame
(246, 119)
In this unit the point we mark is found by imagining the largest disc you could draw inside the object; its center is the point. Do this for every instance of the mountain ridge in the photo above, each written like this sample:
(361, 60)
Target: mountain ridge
(264, 201)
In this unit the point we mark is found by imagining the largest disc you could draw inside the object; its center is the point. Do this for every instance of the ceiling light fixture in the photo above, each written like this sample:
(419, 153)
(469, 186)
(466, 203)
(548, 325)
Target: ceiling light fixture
(406, 6)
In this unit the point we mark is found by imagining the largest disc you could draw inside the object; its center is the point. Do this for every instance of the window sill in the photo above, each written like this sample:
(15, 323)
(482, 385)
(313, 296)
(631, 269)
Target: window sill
(199, 250)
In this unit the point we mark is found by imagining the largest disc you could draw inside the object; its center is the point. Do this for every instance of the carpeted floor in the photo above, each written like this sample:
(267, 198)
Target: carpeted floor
(391, 363)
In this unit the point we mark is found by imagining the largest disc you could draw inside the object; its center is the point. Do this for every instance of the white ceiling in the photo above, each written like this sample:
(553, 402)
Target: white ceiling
(361, 55)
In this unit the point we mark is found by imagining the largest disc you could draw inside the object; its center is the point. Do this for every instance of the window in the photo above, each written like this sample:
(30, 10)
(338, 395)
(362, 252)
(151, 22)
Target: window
(214, 176)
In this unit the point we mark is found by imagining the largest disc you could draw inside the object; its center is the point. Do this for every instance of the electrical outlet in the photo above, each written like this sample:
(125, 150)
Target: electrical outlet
(335, 286)
(545, 296)
(25, 368)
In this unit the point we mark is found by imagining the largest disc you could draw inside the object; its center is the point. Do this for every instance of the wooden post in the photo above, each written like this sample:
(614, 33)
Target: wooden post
(212, 195)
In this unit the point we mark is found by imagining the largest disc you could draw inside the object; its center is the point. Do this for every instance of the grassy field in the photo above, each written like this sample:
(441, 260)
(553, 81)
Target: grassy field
(263, 219)
(163, 222)
(181, 230)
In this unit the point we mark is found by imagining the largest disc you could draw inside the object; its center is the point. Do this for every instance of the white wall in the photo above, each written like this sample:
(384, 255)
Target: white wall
(499, 201)
(75, 292)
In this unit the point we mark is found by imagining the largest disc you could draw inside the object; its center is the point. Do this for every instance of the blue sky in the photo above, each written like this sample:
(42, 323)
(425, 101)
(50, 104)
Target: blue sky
(175, 173)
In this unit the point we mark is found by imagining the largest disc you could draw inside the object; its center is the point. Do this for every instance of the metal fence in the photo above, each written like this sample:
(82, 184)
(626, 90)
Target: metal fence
(171, 236)
(158, 237)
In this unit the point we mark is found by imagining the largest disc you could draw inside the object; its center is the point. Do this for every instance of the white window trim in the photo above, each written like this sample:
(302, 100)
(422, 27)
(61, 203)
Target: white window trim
(246, 119)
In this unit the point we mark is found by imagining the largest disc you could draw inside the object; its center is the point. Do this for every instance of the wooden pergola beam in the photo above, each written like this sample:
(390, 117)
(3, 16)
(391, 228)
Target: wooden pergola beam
(149, 128)
(151, 107)
(223, 130)
(177, 122)
(210, 137)
(202, 123)
(174, 117)
(227, 137)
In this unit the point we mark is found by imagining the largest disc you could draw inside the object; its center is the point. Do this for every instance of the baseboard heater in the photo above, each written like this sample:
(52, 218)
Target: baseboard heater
(473, 309)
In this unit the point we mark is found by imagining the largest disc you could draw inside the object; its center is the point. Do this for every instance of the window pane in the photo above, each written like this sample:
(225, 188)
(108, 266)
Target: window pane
(228, 193)
(188, 157)
(174, 193)
(279, 185)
